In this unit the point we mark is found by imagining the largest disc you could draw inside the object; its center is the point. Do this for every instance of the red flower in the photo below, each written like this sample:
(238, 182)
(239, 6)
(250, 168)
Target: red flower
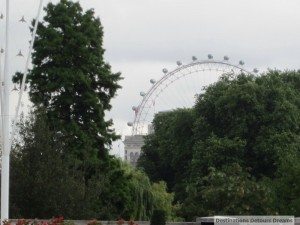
(131, 222)
(56, 221)
(23, 222)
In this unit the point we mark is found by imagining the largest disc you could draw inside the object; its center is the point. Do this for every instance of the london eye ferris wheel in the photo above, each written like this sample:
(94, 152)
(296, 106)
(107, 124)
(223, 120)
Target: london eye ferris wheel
(179, 87)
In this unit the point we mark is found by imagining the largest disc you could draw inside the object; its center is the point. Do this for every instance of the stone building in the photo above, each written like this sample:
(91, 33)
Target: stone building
(132, 146)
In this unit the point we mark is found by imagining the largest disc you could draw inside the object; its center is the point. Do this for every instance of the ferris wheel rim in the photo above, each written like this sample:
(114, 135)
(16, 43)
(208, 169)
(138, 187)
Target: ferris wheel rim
(146, 95)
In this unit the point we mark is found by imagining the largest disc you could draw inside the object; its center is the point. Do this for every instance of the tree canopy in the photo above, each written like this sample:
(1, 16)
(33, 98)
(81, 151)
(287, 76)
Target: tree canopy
(60, 163)
(243, 132)
(65, 142)
(45, 184)
(71, 80)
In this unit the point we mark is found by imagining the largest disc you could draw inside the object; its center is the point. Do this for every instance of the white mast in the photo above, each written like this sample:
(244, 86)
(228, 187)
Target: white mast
(6, 140)
(5, 126)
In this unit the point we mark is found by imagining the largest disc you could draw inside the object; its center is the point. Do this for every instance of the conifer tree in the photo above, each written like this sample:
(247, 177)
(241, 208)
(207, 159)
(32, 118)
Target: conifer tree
(71, 80)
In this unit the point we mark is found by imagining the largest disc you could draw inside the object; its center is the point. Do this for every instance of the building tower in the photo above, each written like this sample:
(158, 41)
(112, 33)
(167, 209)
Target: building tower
(133, 145)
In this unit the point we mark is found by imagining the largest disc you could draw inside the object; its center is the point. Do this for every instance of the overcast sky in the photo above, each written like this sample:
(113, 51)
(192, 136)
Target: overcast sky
(143, 36)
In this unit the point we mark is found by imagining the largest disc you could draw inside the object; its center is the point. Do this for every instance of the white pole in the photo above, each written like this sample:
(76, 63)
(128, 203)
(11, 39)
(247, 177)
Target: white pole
(5, 127)
(25, 72)
(1, 101)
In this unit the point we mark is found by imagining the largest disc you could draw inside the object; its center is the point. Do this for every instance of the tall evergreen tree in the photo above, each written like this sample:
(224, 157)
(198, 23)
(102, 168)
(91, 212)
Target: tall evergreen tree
(71, 80)
(61, 166)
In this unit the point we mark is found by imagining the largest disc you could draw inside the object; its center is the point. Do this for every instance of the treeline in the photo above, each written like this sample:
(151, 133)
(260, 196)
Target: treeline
(46, 182)
(60, 162)
(236, 152)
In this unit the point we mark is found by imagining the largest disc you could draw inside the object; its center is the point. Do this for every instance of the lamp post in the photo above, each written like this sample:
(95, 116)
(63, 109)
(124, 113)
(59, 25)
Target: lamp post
(5, 125)
(5, 91)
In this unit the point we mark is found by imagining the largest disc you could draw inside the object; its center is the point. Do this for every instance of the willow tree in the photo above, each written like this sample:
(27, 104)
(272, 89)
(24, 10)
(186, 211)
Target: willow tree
(71, 80)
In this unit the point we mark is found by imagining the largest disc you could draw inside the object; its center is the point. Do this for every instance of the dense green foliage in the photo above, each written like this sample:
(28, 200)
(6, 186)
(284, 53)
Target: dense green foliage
(145, 197)
(162, 200)
(70, 87)
(45, 184)
(168, 151)
(237, 149)
(60, 163)
(42, 184)
(71, 80)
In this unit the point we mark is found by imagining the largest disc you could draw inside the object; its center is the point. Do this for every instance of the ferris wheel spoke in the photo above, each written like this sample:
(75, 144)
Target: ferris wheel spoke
(178, 88)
